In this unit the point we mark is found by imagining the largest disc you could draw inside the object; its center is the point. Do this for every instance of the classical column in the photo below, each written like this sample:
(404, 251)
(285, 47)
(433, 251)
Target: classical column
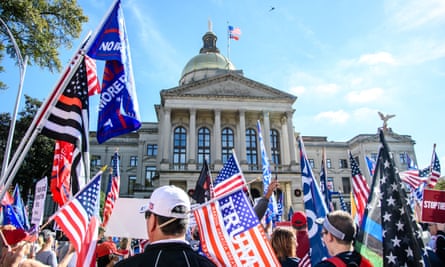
(191, 151)
(285, 138)
(166, 135)
(242, 136)
(292, 141)
(217, 137)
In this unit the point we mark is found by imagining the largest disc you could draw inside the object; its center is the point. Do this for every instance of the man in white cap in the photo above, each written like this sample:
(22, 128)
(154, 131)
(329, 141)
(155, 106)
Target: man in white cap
(167, 216)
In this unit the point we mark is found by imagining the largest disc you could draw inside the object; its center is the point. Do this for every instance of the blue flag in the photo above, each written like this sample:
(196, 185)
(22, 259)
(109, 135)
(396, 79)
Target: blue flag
(19, 208)
(118, 106)
(267, 175)
(315, 207)
(11, 217)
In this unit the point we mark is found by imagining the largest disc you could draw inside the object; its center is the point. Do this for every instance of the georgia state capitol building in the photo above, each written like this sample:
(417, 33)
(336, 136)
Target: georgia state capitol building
(213, 110)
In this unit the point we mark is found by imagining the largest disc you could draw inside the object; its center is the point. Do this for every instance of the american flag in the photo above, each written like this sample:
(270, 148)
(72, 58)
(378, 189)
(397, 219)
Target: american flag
(402, 243)
(234, 32)
(435, 171)
(414, 177)
(79, 220)
(360, 188)
(68, 121)
(229, 178)
(112, 191)
(231, 234)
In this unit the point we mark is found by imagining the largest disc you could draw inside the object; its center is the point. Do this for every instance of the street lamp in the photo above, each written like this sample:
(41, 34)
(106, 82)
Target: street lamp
(22, 66)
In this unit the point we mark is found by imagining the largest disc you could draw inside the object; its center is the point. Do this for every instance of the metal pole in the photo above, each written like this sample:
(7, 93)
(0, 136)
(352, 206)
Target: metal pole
(22, 66)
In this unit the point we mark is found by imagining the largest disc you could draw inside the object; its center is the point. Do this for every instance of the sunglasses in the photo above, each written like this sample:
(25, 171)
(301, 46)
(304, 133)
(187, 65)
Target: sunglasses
(147, 214)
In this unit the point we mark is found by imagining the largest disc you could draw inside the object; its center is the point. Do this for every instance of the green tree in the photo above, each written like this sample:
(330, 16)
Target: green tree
(440, 184)
(39, 159)
(40, 28)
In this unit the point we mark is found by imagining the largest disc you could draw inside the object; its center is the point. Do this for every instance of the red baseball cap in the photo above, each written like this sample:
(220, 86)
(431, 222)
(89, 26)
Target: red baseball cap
(107, 248)
(13, 236)
(299, 219)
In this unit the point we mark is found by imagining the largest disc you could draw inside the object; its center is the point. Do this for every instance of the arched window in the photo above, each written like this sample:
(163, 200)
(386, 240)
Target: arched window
(179, 148)
(203, 145)
(251, 149)
(275, 146)
(227, 143)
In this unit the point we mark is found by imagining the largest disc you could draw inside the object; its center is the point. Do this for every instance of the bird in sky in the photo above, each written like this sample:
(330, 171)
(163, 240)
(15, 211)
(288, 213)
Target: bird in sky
(271, 8)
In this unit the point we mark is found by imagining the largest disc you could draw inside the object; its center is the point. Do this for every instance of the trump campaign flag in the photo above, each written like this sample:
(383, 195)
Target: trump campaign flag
(315, 207)
(230, 232)
(118, 106)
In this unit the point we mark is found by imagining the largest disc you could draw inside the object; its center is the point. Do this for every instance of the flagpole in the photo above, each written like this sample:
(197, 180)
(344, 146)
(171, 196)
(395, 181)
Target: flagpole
(40, 118)
(431, 165)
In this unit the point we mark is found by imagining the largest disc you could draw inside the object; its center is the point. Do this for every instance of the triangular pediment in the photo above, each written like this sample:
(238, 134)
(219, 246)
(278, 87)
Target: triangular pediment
(228, 85)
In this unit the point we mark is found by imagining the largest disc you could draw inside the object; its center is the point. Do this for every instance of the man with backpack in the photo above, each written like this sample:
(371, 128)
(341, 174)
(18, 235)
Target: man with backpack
(338, 235)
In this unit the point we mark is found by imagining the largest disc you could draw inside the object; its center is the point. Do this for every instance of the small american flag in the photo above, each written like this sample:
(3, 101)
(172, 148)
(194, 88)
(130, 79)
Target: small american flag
(113, 190)
(78, 219)
(360, 188)
(229, 178)
(414, 178)
(435, 171)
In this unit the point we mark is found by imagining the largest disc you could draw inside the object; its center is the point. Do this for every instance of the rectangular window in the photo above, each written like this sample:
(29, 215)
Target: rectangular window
(95, 160)
(131, 182)
(343, 164)
(152, 150)
(150, 172)
(328, 164)
(312, 163)
(133, 161)
(402, 157)
(346, 183)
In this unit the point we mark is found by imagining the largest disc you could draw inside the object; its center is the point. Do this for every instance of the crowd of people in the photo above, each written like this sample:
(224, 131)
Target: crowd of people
(167, 225)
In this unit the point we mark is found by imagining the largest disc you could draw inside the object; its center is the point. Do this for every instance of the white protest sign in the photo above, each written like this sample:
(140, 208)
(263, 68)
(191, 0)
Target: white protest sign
(126, 221)
(39, 201)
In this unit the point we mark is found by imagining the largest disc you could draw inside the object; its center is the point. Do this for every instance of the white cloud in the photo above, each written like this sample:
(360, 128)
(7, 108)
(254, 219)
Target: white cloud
(377, 58)
(333, 117)
(363, 114)
(327, 89)
(409, 15)
(364, 96)
(297, 90)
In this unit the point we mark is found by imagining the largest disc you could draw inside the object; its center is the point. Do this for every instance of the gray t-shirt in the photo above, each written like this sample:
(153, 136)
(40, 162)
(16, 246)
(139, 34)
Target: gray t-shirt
(47, 257)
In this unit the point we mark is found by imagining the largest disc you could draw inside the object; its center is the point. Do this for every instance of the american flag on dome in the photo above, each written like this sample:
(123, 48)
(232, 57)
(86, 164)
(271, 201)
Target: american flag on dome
(229, 178)
(234, 32)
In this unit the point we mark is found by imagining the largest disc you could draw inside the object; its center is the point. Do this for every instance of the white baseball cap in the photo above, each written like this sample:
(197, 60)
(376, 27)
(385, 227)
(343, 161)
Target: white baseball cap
(164, 199)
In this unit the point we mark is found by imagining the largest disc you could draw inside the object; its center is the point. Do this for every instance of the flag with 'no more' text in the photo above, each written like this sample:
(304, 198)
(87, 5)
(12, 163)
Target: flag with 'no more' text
(118, 106)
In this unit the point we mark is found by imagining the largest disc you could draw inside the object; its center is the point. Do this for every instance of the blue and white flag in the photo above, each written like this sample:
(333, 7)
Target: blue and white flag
(315, 207)
(20, 209)
(267, 175)
(118, 106)
(370, 163)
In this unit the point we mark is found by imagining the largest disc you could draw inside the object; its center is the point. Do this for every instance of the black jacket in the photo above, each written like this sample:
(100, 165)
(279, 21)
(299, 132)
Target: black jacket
(167, 255)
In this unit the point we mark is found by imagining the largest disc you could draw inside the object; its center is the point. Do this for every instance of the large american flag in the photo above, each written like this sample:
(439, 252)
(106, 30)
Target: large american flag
(360, 188)
(79, 220)
(229, 178)
(112, 193)
(231, 234)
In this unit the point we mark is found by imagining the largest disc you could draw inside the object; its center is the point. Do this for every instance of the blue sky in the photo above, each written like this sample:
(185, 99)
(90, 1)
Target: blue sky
(344, 60)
